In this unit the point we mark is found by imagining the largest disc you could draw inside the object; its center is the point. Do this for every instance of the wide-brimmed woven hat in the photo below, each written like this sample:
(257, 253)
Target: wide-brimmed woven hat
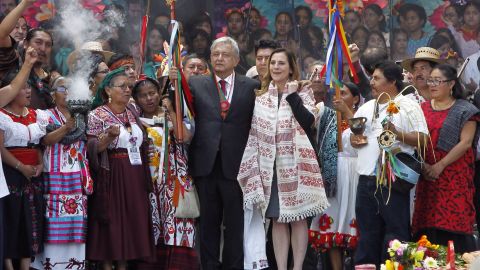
(425, 54)
(92, 46)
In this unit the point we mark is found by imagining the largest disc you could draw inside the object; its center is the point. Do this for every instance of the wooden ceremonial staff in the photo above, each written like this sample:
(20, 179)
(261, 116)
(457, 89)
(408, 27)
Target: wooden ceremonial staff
(143, 37)
(178, 105)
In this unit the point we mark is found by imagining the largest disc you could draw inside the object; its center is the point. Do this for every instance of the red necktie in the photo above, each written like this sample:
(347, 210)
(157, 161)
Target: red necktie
(223, 85)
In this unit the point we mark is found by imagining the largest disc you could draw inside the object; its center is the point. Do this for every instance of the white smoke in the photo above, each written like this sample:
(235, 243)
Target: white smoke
(80, 25)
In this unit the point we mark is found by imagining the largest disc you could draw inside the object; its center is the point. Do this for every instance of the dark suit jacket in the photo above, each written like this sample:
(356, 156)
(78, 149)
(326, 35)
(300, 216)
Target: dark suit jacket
(212, 133)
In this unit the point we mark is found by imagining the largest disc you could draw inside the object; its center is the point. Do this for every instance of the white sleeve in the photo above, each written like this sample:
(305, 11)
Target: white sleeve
(3, 121)
(38, 129)
(417, 122)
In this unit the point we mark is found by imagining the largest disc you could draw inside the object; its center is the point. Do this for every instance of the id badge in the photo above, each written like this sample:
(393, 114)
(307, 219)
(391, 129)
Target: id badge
(134, 155)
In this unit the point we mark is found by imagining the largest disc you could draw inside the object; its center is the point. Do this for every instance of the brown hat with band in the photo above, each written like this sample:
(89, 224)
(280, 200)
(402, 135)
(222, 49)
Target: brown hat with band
(422, 54)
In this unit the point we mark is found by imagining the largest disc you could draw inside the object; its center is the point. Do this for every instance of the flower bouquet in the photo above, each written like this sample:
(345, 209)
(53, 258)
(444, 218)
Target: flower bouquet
(421, 255)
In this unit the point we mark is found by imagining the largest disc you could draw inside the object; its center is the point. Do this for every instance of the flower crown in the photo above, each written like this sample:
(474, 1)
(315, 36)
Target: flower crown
(231, 11)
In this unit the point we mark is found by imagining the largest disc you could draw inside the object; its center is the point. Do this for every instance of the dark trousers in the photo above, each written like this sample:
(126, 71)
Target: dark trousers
(379, 222)
(221, 199)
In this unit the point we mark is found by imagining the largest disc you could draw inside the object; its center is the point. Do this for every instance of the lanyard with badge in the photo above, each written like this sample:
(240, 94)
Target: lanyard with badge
(133, 150)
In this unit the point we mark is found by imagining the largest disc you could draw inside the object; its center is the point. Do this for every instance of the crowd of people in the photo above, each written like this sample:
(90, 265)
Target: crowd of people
(277, 167)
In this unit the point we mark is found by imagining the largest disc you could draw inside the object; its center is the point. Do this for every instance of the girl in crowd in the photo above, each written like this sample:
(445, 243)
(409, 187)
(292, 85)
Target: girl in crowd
(467, 35)
(100, 70)
(255, 20)
(119, 222)
(21, 129)
(453, 13)
(376, 40)
(360, 37)
(444, 46)
(335, 230)
(156, 37)
(352, 20)
(199, 43)
(375, 20)
(203, 22)
(283, 28)
(444, 208)
(282, 118)
(412, 19)
(235, 23)
(174, 237)
(316, 39)
(67, 183)
(399, 43)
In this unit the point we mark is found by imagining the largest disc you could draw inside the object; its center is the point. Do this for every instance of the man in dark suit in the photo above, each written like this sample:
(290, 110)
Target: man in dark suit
(223, 107)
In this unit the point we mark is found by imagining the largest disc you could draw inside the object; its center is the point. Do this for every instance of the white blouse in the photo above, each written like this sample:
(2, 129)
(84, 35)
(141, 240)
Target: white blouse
(17, 134)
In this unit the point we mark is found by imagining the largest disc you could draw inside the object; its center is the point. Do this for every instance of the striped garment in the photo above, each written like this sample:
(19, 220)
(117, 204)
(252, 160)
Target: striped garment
(66, 174)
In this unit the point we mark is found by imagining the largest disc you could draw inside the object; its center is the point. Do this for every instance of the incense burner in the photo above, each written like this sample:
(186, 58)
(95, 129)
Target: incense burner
(357, 126)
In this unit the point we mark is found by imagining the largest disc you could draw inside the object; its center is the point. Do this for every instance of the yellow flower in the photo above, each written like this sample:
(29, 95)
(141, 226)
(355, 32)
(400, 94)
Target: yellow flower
(389, 265)
(419, 255)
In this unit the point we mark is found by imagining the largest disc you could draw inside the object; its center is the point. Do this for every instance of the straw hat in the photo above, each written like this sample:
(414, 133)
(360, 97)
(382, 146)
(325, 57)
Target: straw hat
(92, 46)
(425, 54)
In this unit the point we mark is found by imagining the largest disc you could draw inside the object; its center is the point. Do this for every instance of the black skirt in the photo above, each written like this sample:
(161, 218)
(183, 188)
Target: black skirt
(23, 212)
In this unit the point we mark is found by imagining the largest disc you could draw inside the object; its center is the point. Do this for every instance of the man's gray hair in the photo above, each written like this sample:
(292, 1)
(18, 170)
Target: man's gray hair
(226, 40)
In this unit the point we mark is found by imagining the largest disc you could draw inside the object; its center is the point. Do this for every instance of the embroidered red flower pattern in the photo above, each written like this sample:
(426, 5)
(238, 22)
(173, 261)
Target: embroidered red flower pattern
(71, 206)
(325, 222)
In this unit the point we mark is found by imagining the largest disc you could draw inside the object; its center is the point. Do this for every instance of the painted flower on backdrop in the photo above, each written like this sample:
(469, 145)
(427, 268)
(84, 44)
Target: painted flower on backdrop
(41, 10)
(96, 6)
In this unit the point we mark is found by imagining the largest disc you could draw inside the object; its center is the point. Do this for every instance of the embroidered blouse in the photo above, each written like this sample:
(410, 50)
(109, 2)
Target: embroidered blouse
(100, 119)
(23, 131)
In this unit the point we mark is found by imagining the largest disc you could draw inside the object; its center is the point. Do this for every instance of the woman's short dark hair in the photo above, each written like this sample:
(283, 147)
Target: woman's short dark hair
(378, 10)
(450, 74)
(420, 11)
(289, 17)
(392, 72)
(354, 90)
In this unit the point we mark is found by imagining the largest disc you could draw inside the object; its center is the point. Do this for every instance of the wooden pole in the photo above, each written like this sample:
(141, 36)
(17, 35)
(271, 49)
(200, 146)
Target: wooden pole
(178, 104)
(339, 121)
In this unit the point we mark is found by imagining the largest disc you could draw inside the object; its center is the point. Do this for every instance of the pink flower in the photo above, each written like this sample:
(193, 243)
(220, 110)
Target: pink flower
(71, 206)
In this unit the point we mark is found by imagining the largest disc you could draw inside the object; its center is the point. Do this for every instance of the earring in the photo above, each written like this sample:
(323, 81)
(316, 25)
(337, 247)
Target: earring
(354, 106)
(109, 99)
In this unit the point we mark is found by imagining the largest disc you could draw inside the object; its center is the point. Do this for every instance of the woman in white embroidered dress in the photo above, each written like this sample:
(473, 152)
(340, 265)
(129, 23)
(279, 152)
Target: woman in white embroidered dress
(21, 129)
(67, 183)
(279, 173)
(335, 230)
